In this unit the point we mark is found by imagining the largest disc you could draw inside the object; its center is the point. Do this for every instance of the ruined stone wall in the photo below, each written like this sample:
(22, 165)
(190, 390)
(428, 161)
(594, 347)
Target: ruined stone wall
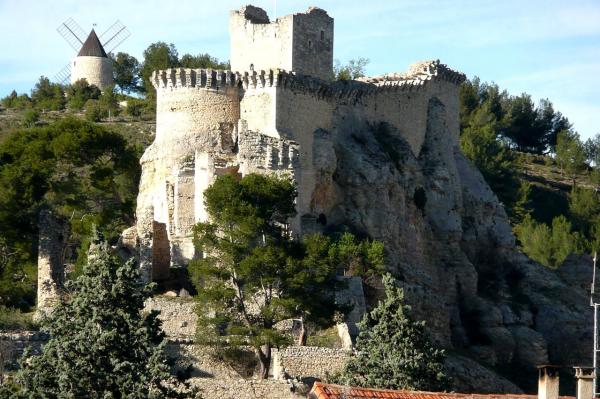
(178, 316)
(300, 115)
(313, 44)
(307, 361)
(301, 42)
(13, 344)
(257, 43)
(51, 271)
(97, 71)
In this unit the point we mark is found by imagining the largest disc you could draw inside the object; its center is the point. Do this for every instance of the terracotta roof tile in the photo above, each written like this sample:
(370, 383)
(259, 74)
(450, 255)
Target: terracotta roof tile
(330, 391)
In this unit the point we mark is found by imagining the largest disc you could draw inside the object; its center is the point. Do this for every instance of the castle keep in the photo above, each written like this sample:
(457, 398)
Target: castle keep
(275, 112)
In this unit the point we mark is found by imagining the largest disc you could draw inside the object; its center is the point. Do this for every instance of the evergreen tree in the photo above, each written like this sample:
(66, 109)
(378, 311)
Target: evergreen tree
(549, 245)
(84, 173)
(570, 154)
(202, 61)
(47, 95)
(355, 68)
(393, 351)
(126, 72)
(159, 55)
(101, 343)
(253, 274)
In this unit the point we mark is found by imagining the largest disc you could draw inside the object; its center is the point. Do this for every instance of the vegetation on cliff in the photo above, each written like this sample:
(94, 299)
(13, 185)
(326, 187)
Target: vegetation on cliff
(393, 351)
(538, 167)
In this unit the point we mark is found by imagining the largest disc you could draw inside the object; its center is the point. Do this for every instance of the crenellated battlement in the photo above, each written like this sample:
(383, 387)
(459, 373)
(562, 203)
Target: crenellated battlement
(201, 78)
(417, 77)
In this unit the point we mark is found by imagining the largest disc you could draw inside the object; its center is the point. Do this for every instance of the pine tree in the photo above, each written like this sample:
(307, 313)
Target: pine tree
(253, 275)
(393, 351)
(102, 345)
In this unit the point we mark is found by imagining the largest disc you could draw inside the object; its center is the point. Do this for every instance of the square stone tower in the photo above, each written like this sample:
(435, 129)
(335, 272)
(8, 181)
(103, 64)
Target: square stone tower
(302, 43)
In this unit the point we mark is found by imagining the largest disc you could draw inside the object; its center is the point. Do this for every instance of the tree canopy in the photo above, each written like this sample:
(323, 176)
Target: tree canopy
(393, 351)
(101, 343)
(83, 172)
(253, 274)
(126, 72)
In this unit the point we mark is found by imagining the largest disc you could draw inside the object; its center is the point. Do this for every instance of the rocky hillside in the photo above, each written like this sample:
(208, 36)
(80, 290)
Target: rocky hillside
(449, 241)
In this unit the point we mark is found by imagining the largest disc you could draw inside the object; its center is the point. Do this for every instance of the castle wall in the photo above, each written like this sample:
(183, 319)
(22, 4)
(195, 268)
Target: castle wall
(259, 44)
(197, 113)
(299, 116)
(258, 110)
(98, 71)
(313, 44)
(301, 42)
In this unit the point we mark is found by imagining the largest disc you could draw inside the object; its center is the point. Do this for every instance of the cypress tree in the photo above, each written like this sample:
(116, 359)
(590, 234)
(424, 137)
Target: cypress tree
(101, 343)
(393, 351)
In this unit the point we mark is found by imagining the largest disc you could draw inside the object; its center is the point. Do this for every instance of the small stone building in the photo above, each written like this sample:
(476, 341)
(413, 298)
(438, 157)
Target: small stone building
(92, 64)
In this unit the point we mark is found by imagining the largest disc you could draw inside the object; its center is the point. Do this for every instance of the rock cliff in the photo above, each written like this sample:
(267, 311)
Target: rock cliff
(449, 242)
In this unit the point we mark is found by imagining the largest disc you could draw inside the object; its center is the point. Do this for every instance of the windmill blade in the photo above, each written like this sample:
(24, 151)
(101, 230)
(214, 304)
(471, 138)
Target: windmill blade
(72, 33)
(64, 76)
(114, 36)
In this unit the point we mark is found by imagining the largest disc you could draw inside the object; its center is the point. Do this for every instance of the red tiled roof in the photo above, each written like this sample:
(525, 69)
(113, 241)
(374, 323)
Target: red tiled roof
(330, 391)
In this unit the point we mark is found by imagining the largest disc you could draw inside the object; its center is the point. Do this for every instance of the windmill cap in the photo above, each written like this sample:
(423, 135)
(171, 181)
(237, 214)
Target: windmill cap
(92, 47)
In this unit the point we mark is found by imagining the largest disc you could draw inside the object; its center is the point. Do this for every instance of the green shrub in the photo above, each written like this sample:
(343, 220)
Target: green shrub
(47, 95)
(135, 107)
(30, 117)
(94, 111)
(15, 101)
(80, 92)
(14, 319)
(548, 245)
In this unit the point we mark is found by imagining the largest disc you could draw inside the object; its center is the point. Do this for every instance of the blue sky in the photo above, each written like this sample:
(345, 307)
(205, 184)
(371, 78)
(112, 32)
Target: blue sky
(547, 48)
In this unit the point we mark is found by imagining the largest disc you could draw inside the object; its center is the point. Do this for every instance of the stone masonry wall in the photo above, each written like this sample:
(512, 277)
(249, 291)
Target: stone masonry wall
(301, 42)
(13, 344)
(97, 71)
(307, 361)
(51, 272)
(178, 316)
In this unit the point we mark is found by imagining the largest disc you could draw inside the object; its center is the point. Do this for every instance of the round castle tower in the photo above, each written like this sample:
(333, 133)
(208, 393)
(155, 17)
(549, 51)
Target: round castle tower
(196, 126)
(92, 64)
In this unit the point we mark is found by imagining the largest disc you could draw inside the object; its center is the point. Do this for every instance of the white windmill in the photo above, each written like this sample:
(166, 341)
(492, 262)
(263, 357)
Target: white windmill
(91, 62)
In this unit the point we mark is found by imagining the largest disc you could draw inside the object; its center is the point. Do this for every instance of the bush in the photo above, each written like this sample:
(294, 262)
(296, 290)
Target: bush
(47, 95)
(14, 319)
(548, 245)
(94, 111)
(80, 92)
(30, 117)
(135, 107)
(15, 101)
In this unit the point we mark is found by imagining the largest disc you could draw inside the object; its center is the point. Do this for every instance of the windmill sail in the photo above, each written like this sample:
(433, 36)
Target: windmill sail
(64, 75)
(114, 36)
(72, 33)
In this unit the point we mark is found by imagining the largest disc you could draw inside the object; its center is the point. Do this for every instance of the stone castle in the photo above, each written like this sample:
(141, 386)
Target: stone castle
(276, 111)
(379, 156)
